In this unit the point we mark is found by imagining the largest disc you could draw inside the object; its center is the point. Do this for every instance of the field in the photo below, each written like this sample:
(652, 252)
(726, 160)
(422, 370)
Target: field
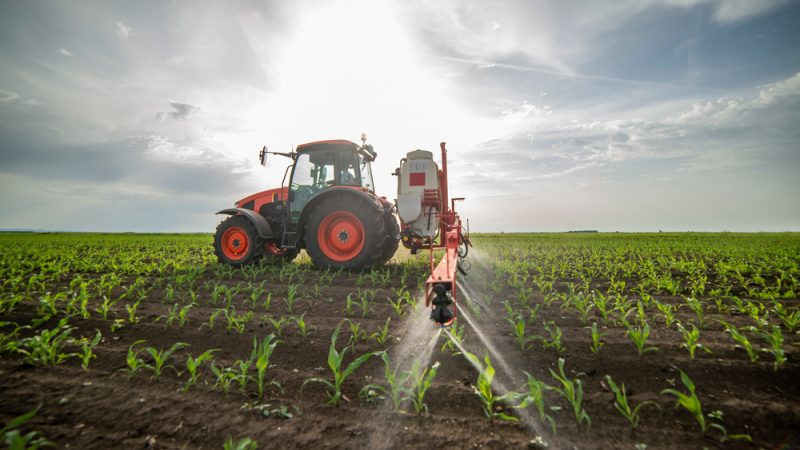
(566, 341)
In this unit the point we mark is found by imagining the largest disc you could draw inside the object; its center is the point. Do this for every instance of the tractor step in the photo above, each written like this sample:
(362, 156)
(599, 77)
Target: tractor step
(289, 239)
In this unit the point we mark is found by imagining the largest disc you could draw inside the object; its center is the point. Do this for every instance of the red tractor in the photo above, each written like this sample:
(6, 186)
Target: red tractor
(330, 208)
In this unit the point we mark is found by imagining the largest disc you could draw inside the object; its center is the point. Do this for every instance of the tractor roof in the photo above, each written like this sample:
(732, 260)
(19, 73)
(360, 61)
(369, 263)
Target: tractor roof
(320, 145)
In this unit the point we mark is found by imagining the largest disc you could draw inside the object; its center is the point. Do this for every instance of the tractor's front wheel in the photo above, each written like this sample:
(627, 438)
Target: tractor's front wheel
(343, 233)
(237, 243)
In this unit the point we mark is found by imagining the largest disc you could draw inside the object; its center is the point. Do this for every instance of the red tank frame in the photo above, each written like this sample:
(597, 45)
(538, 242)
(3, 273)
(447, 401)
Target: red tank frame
(451, 233)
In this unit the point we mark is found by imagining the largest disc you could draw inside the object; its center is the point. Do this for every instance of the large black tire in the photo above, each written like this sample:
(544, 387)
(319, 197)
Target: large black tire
(391, 231)
(344, 232)
(237, 243)
(273, 254)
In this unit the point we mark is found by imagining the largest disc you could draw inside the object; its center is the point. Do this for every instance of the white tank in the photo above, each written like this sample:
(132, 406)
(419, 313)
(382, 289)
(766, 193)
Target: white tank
(418, 173)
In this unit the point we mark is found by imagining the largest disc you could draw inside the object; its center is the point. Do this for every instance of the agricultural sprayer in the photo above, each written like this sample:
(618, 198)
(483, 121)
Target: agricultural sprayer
(329, 207)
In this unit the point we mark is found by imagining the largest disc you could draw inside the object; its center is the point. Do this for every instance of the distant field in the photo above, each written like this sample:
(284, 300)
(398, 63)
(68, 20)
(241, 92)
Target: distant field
(87, 322)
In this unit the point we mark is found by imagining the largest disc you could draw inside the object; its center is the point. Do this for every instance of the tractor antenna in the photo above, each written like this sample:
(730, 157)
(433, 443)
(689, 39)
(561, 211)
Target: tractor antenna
(363, 138)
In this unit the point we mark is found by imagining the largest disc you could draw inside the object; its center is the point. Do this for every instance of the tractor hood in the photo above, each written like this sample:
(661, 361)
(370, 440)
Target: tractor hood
(268, 196)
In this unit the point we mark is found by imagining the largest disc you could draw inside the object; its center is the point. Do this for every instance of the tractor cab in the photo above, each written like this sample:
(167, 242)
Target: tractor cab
(322, 165)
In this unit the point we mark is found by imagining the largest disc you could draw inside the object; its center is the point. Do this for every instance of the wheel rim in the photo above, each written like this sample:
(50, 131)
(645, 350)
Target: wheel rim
(341, 236)
(235, 243)
(273, 248)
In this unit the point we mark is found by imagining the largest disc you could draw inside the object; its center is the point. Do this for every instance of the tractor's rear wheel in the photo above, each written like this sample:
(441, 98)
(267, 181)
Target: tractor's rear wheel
(274, 253)
(237, 243)
(344, 233)
(391, 231)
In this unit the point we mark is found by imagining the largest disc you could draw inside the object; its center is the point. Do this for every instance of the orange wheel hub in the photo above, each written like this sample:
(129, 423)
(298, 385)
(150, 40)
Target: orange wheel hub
(341, 236)
(273, 248)
(235, 243)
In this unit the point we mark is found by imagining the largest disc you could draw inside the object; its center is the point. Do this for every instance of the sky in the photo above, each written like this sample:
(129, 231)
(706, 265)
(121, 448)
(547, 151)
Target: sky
(623, 115)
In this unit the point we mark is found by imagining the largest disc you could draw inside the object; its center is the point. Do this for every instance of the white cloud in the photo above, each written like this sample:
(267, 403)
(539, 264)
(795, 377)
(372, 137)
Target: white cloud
(728, 11)
(124, 31)
(65, 52)
(8, 96)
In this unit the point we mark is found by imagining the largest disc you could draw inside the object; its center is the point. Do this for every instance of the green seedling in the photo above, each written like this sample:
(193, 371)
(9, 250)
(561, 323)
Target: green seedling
(518, 327)
(335, 363)
(262, 351)
(419, 382)
(382, 335)
(597, 339)
(46, 348)
(225, 377)
(240, 444)
(87, 348)
(639, 336)
(15, 440)
(160, 358)
(535, 397)
(622, 404)
(742, 341)
(691, 403)
(572, 391)
(302, 326)
(133, 361)
(554, 337)
(775, 340)
(192, 364)
(690, 340)
(277, 324)
(131, 308)
(291, 297)
(483, 389)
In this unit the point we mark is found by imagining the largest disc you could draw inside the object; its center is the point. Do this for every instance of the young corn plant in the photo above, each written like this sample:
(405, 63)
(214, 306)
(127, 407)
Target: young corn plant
(742, 341)
(691, 403)
(356, 333)
(622, 404)
(192, 364)
(775, 340)
(277, 324)
(668, 311)
(690, 340)
(225, 377)
(535, 397)
(396, 382)
(160, 358)
(262, 351)
(46, 348)
(382, 335)
(340, 374)
(304, 329)
(554, 337)
(639, 336)
(131, 308)
(419, 382)
(87, 347)
(518, 327)
(14, 440)
(572, 391)
(398, 306)
(597, 339)
(245, 443)
(291, 297)
(483, 389)
(132, 360)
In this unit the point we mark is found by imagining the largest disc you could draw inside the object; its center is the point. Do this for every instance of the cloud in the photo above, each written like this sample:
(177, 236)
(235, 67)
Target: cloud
(180, 111)
(8, 96)
(65, 52)
(124, 31)
(729, 11)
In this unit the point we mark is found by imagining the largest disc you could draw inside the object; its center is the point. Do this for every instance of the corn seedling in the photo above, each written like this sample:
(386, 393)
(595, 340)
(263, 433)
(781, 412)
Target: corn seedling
(690, 340)
(240, 444)
(622, 404)
(192, 364)
(225, 377)
(419, 382)
(742, 341)
(572, 391)
(518, 327)
(131, 308)
(302, 326)
(396, 382)
(691, 403)
(291, 297)
(398, 306)
(775, 340)
(132, 360)
(356, 333)
(382, 335)
(262, 351)
(335, 363)
(14, 440)
(46, 348)
(160, 358)
(597, 339)
(87, 348)
(484, 388)
(554, 337)
(455, 336)
(535, 397)
(668, 311)
(639, 336)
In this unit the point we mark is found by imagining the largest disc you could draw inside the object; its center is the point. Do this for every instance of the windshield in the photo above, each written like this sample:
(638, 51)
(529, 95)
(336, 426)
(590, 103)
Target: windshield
(366, 174)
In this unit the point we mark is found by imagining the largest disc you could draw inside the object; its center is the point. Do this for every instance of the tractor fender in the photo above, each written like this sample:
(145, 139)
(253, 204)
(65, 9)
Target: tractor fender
(355, 193)
(261, 224)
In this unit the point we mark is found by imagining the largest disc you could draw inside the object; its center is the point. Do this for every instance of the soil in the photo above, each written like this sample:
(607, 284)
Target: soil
(104, 407)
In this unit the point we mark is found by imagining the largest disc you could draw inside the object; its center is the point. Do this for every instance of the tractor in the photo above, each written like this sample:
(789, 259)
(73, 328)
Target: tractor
(330, 208)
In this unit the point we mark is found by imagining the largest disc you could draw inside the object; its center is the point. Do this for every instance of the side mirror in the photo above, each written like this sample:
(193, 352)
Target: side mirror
(262, 155)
